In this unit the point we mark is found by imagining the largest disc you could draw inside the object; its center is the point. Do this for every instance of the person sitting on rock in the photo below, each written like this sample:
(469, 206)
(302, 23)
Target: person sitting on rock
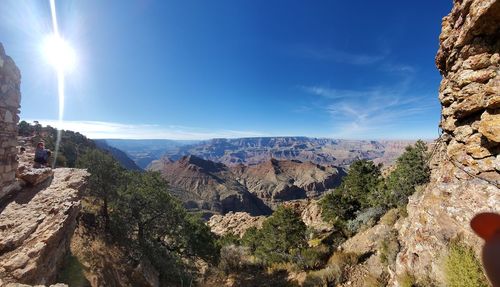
(41, 155)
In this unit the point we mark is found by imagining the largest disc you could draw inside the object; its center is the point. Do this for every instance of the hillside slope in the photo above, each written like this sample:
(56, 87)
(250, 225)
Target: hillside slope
(207, 185)
(124, 160)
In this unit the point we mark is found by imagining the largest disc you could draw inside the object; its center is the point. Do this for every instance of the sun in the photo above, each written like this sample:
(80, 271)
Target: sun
(59, 53)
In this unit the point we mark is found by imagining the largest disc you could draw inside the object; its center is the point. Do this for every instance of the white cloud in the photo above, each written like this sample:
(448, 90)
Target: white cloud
(111, 130)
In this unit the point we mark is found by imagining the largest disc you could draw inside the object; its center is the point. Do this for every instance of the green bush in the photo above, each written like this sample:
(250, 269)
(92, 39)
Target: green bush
(280, 239)
(358, 191)
(462, 268)
(313, 257)
(411, 170)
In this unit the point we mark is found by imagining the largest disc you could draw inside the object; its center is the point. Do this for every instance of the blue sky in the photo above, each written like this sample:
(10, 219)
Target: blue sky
(202, 69)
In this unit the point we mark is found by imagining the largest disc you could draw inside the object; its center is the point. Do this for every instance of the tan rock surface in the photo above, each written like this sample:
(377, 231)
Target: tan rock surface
(236, 223)
(36, 226)
(465, 177)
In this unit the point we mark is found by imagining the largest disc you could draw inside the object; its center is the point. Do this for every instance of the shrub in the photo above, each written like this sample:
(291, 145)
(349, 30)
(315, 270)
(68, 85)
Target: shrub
(343, 259)
(228, 239)
(390, 217)
(407, 280)
(232, 258)
(462, 268)
(411, 170)
(389, 248)
(280, 239)
(329, 276)
(364, 220)
(313, 257)
(251, 238)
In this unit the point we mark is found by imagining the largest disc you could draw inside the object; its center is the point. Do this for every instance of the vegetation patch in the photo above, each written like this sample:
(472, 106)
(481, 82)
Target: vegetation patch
(462, 268)
(389, 248)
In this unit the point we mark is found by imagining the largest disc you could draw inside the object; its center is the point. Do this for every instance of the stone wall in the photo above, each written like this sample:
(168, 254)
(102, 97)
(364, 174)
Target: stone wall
(469, 60)
(10, 97)
(466, 164)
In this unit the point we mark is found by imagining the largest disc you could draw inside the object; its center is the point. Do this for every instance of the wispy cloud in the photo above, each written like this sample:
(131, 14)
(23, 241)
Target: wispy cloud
(111, 130)
(344, 57)
(368, 112)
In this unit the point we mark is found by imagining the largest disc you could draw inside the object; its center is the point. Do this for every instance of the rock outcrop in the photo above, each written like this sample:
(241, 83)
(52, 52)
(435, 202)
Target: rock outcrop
(236, 223)
(10, 99)
(36, 227)
(465, 179)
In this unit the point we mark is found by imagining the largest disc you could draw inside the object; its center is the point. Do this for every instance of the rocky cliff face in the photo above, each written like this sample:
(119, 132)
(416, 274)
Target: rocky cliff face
(10, 98)
(465, 178)
(236, 223)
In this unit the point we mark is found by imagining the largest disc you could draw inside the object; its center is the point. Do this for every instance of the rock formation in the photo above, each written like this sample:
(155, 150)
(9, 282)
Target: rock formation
(465, 178)
(209, 186)
(36, 227)
(215, 187)
(10, 99)
(236, 223)
(276, 181)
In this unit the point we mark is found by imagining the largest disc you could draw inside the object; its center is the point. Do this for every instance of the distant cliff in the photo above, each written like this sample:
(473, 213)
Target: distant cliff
(208, 185)
(250, 151)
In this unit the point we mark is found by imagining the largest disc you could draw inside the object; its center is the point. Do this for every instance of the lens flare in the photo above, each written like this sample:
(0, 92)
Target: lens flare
(59, 53)
(62, 57)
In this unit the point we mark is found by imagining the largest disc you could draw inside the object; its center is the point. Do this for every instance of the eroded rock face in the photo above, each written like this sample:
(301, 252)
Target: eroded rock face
(36, 227)
(465, 178)
(10, 98)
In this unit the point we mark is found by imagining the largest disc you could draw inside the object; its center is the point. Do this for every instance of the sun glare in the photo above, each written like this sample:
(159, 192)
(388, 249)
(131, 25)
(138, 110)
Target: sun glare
(59, 53)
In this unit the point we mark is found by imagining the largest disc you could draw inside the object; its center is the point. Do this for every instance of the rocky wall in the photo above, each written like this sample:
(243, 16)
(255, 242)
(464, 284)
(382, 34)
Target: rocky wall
(469, 60)
(466, 163)
(10, 97)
